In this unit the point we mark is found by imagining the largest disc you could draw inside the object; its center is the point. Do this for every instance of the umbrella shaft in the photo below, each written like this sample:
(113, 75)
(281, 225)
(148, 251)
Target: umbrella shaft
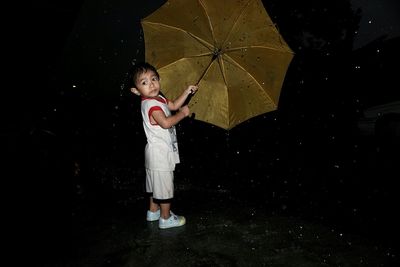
(214, 57)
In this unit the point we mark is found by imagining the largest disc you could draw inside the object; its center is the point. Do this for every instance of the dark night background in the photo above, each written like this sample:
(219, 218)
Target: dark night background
(329, 154)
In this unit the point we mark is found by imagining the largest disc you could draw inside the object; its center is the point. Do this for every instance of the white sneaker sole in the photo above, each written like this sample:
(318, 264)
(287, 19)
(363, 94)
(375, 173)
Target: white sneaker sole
(182, 221)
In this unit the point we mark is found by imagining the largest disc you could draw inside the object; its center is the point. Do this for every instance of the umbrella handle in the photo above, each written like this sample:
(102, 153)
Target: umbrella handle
(187, 100)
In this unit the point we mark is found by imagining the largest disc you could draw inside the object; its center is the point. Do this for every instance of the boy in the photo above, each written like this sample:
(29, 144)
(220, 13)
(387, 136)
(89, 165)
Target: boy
(161, 152)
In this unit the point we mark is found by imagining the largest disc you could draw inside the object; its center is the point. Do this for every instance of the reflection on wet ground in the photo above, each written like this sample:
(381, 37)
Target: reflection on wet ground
(221, 230)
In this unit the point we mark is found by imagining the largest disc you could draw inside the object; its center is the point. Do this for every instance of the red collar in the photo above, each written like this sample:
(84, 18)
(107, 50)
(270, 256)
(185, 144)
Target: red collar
(158, 98)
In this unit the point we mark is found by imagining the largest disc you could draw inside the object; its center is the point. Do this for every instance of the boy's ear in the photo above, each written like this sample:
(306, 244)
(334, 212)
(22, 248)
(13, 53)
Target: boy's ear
(135, 91)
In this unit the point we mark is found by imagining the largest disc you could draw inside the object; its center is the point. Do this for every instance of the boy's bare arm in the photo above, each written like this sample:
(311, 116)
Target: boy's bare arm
(177, 103)
(167, 122)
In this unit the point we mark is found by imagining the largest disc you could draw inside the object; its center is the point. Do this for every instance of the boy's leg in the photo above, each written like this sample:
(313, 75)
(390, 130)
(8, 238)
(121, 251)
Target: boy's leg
(153, 206)
(153, 214)
(165, 210)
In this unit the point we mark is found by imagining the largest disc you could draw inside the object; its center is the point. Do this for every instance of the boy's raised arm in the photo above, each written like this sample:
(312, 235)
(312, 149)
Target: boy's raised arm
(177, 103)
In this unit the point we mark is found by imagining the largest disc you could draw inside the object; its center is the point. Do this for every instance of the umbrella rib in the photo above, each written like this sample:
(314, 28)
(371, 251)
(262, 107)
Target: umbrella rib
(209, 22)
(258, 46)
(236, 20)
(201, 41)
(201, 55)
(222, 69)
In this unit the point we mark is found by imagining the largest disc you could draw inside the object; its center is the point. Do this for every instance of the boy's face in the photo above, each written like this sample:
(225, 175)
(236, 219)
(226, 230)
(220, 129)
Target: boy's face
(147, 84)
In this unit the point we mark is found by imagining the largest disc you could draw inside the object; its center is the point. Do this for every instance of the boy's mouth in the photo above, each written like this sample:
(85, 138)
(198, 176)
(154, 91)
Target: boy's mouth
(154, 92)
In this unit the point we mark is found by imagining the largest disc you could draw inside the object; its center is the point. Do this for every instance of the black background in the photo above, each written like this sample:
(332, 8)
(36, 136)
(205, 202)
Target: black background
(71, 125)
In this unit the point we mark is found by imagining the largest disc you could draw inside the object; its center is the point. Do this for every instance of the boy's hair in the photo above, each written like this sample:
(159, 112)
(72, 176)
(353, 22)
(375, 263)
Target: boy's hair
(140, 68)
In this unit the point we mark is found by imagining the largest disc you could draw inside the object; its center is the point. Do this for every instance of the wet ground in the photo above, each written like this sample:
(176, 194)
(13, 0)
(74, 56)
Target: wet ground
(223, 229)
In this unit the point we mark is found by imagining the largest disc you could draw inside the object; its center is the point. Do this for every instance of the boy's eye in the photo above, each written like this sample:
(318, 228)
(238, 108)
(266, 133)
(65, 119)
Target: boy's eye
(155, 79)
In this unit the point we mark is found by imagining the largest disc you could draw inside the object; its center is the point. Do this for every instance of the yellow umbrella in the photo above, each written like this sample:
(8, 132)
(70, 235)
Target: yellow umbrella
(231, 48)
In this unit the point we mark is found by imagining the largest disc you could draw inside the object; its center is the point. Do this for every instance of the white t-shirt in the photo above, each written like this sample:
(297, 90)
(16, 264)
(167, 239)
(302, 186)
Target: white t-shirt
(161, 152)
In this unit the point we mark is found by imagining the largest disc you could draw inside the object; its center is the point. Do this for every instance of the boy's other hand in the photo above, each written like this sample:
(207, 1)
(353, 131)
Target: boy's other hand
(185, 110)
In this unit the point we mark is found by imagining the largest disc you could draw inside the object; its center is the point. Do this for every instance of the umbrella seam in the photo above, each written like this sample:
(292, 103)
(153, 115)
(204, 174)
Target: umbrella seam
(244, 70)
(259, 46)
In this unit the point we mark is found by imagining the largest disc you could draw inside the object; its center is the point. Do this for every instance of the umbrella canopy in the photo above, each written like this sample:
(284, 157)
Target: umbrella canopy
(231, 48)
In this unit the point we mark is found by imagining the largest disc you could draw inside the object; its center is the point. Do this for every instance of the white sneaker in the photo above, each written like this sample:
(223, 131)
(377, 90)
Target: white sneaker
(153, 216)
(172, 221)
